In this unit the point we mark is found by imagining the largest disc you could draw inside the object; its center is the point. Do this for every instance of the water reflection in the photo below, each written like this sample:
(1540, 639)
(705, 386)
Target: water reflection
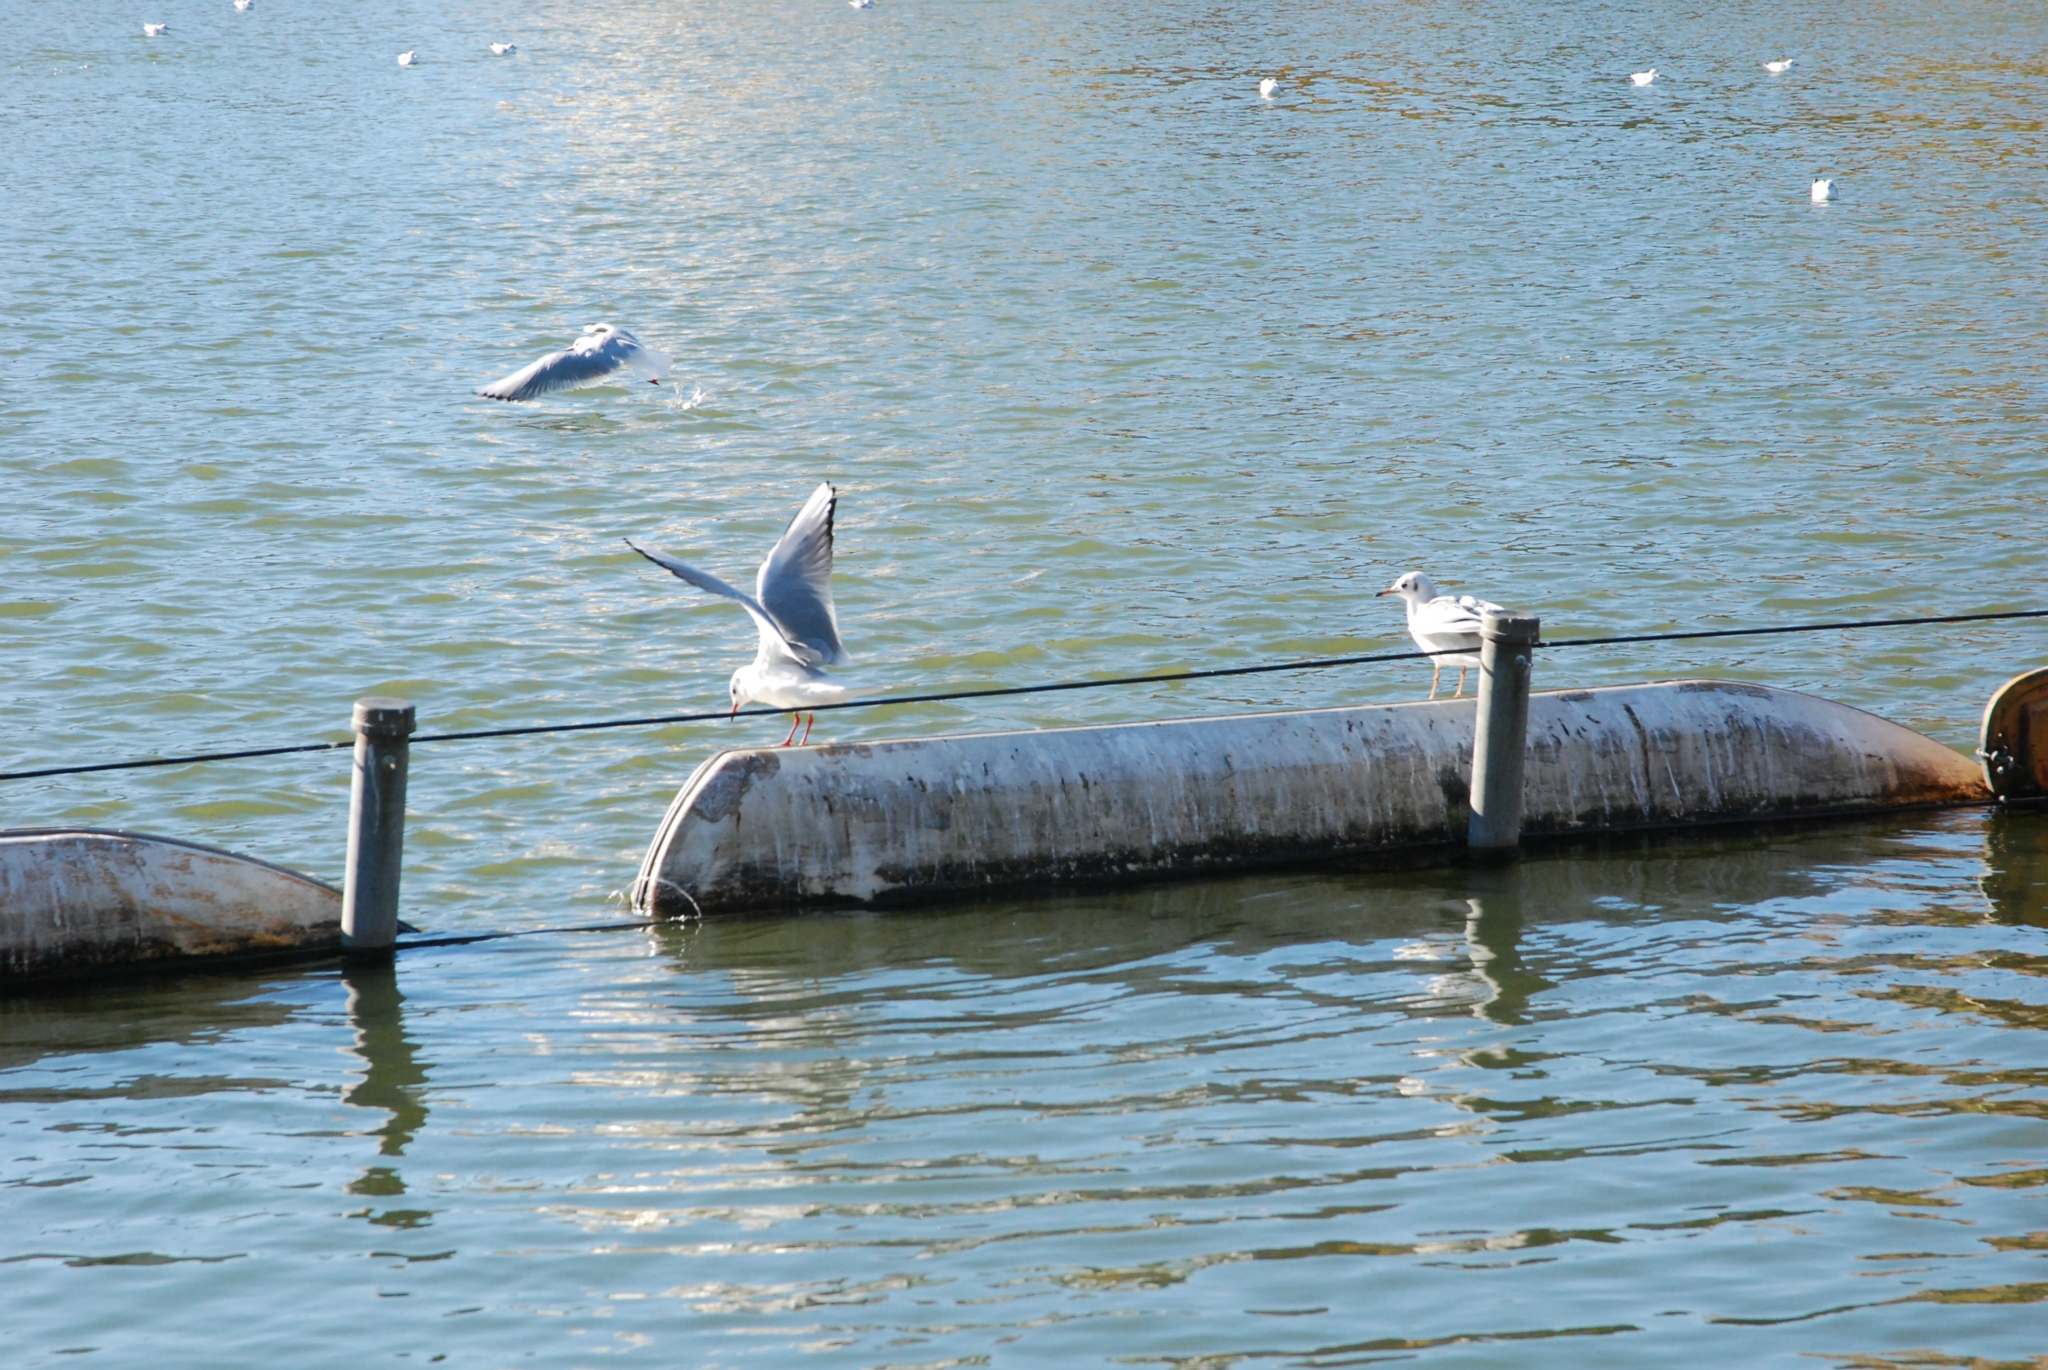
(2015, 877)
(392, 1077)
(1492, 935)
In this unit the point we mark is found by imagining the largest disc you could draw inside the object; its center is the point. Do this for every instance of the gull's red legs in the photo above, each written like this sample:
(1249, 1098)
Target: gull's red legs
(807, 732)
(794, 719)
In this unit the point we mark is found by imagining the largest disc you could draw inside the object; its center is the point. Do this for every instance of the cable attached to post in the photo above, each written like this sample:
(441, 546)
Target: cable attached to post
(1057, 687)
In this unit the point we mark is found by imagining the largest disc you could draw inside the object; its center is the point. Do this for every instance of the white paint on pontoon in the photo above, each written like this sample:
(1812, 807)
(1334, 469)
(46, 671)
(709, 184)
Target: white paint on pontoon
(78, 897)
(856, 822)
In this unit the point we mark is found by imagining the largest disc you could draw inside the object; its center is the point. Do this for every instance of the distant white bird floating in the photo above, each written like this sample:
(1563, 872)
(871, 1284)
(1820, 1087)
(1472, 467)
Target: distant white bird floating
(792, 607)
(594, 358)
(1778, 68)
(408, 57)
(504, 49)
(862, 4)
(1445, 626)
(244, 6)
(1823, 191)
(155, 30)
(1642, 78)
(1267, 87)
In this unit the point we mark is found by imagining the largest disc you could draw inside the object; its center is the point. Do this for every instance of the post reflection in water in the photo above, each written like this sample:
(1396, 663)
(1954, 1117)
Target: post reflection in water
(392, 1076)
(1492, 934)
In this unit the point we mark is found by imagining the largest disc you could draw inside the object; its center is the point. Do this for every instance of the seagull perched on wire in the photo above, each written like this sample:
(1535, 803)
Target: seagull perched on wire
(594, 358)
(792, 607)
(1445, 626)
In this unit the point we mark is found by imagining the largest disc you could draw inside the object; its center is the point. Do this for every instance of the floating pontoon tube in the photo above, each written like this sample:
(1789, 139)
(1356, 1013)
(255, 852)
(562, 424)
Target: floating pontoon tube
(858, 823)
(73, 898)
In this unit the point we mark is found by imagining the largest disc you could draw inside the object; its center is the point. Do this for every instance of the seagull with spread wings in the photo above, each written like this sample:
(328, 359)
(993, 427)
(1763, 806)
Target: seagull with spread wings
(601, 353)
(1445, 626)
(792, 607)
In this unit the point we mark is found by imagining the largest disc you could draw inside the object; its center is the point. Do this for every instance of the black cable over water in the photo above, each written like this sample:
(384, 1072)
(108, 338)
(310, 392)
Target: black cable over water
(1213, 673)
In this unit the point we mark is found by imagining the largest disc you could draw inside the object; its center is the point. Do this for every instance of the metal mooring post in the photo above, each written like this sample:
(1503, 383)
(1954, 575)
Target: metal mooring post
(376, 826)
(1507, 646)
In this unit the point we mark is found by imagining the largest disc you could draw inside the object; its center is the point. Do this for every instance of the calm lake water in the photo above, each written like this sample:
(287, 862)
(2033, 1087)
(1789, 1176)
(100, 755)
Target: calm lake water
(1119, 368)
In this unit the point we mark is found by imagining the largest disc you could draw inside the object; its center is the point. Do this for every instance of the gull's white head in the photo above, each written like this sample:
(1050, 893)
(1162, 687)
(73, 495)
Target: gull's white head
(1778, 68)
(1643, 78)
(155, 30)
(504, 49)
(1414, 587)
(1267, 87)
(408, 57)
(736, 690)
(1823, 191)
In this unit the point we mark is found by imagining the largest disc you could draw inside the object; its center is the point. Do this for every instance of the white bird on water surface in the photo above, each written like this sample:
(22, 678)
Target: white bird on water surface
(408, 57)
(1643, 78)
(1822, 192)
(1778, 68)
(244, 6)
(504, 49)
(792, 607)
(1445, 626)
(1267, 87)
(862, 4)
(155, 30)
(602, 352)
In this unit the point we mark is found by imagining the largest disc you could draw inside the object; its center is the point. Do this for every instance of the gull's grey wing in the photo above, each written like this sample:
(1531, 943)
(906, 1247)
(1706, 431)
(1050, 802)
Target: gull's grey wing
(795, 583)
(1446, 617)
(567, 370)
(774, 642)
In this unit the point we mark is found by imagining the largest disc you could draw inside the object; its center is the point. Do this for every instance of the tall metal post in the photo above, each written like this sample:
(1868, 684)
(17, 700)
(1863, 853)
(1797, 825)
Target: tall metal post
(1506, 648)
(376, 826)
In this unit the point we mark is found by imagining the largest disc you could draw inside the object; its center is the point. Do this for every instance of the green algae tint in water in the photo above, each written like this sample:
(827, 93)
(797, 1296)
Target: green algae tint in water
(1747, 1102)
(1119, 368)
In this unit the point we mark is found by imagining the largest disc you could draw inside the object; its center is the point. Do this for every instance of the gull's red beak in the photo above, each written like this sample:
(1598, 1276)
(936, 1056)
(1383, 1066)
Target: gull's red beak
(735, 711)
(1382, 594)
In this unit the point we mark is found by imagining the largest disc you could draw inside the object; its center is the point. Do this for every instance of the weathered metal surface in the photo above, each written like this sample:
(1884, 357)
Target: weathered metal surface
(855, 823)
(72, 898)
(376, 825)
(2013, 743)
(1507, 650)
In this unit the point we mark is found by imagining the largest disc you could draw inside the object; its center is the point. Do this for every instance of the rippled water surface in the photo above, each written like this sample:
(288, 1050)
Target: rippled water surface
(1118, 368)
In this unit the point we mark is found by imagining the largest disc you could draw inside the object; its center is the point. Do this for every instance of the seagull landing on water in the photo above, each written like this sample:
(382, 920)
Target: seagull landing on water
(155, 30)
(504, 49)
(1822, 192)
(792, 606)
(1778, 68)
(1642, 78)
(601, 353)
(1267, 87)
(1445, 626)
(408, 57)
